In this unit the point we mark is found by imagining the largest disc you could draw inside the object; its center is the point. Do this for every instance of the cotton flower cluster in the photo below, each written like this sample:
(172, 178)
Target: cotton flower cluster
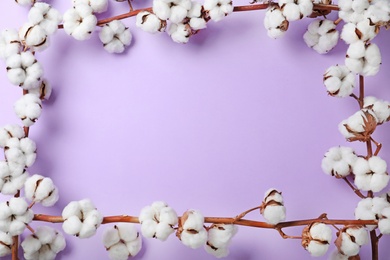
(363, 58)
(371, 209)
(359, 126)
(295, 9)
(12, 177)
(45, 243)
(15, 216)
(81, 218)
(354, 11)
(19, 151)
(321, 35)
(370, 174)
(362, 31)
(339, 81)
(350, 239)
(272, 208)
(380, 108)
(115, 37)
(80, 21)
(191, 230)
(316, 238)
(43, 21)
(158, 220)
(122, 241)
(5, 244)
(28, 108)
(219, 237)
(24, 70)
(275, 22)
(41, 189)
(338, 161)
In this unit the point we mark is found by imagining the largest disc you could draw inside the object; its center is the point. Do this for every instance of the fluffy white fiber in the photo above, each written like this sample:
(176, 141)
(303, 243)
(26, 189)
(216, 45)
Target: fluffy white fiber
(41, 189)
(296, 9)
(10, 131)
(339, 81)
(9, 43)
(319, 237)
(350, 239)
(371, 209)
(80, 22)
(12, 177)
(384, 222)
(81, 218)
(98, 6)
(218, 9)
(338, 161)
(179, 33)
(115, 37)
(122, 241)
(45, 243)
(272, 208)
(34, 36)
(158, 220)
(28, 108)
(149, 22)
(193, 234)
(364, 59)
(321, 35)
(371, 174)
(5, 244)
(14, 216)
(380, 108)
(275, 23)
(44, 15)
(20, 151)
(356, 123)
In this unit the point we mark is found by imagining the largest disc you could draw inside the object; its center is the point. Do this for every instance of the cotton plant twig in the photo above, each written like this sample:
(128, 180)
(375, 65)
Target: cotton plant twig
(357, 191)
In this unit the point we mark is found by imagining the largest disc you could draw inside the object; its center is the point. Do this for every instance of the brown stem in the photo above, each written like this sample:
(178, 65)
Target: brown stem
(357, 191)
(369, 149)
(361, 91)
(378, 146)
(374, 245)
(284, 236)
(15, 247)
(243, 214)
(222, 220)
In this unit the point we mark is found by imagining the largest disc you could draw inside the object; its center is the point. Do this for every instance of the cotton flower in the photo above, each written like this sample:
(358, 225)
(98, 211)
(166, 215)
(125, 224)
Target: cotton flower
(338, 161)
(34, 36)
(219, 237)
(122, 241)
(371, 209)
(378, 11)
(115, 37)
(350, 239)
(275, 22)
(41, 189)
(362, 31)
(45, 243)
(28, 108)
(339, 81)
(9, 43)
(24, 70)
(45, 16)
(191, 231)
(321, 35)
(352, 11)
(371, 174)
(10, 131)
(174, 10)
(179, 33)
(384, 221)
(380, 108)
(272, 208)
(295, 9)
(80, 22)
(15, 216)
(196, 16)
(20, 151)
(12, 177)
(359, 126)
(158, 220)
(81, 218)
(316, 238)
(5, 244)
(149, 22)
(218, 9)
(364, 59)
(98, 6)
(25, 2)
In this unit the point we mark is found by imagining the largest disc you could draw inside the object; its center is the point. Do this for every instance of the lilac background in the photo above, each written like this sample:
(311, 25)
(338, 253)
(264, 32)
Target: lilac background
(209, 125)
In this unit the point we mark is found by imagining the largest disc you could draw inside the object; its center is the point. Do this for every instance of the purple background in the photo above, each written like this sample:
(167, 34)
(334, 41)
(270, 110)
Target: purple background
(209, 125)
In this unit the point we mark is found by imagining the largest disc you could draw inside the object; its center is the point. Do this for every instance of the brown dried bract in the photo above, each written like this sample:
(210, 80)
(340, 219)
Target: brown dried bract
(369, 127)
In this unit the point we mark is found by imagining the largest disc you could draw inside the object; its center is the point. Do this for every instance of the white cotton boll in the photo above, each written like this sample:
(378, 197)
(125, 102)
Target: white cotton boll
(72, 225)
(194, 240)
(150, 22)
(58, 244)
(110, 237)
(162, 231)
(45, 234)
(218, 9)
(274, 214)
(219, 236)
(373, 57)
(355, 65)
(18, 206)
(339, 81)
(118, 251)
(73, 208)
(179, 33)
(275, 23)
(5, 244)
(321, 35)
(161, 9)
(195, 220)
(317, 249)
(356, 50)
(377, 164)
(80, 22)
(305, 7)
(348, 247)
(10, 131)
(148, 228)
(291, 12)
(115, 36)
(25, 2)
(41, 189)
(37, 12)
(197, 23)
(9, 43)
(28, 108)
(321, 231)
(311, 39)
(43, 91)
(168, 215)
(360, 235)
(134, 247)
(380, 108)
(384, 223)
(217, 252)
(273, 194)
(178, 13)
(360, 5)
(361, 166)
(127, 232)
(34, 36)
(99, 6)
(31, 245)
(44, 15)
